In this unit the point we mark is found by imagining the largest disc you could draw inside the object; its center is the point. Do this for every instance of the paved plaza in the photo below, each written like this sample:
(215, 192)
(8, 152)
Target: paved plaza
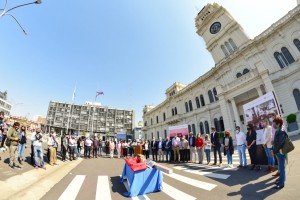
(93, 178)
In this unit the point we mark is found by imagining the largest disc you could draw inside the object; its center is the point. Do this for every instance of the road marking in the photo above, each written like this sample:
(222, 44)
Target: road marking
(176, 194)
(213, 167)
(192, 182)
(140, 197)
(73, 188)
(208, 174)
(103, 188)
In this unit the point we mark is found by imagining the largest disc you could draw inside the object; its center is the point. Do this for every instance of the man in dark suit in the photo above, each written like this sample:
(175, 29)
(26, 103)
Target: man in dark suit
(153, 146)
(215, 143)
(192, 146)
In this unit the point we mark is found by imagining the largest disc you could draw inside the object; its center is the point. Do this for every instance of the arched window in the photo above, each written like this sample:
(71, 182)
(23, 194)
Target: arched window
(296, 94)
(173, 113)
(229, 48)
(164, 116)
(194, 129)
(211, 97)
(215, 94)
(287, 55)
(186, 107)
(201, 128)
(221, 122)
(297, 43)
(216, 122)
(246, 70)
(239, 74)
(191, 105)
(206, 127)
(202, 100)
(197, 102)
(157, 119)
(190, 129)
(282, 62)
(224, 50)
(175, 110)
(232, 44)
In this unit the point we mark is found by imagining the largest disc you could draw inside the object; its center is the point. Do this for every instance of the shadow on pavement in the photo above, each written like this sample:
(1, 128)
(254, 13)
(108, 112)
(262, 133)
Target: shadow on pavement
(117, 185)
(255, 191)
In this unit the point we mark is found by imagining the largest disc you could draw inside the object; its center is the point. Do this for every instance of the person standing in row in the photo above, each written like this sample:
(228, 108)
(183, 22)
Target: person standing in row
(95, 147)
(72, 144)
(228, 148)
(207, 147)
(153, 146)
(52, 144)
(146, 147)
(79, 147)
(200, 147)
(268, 145)
(193, 150)
(12, 135)
(111, 148)
(241, 146)
(161, 149)
(175, 146)
(88, 142)
(168, 149)
(22, 143)
(251, 145)
(37, 139)
(63, 147)
(216, 144)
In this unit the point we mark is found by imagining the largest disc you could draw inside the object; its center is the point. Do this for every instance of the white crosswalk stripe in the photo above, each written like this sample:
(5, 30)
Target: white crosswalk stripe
(73, 188)
(175, 193)
(103, 188)
(208, 174)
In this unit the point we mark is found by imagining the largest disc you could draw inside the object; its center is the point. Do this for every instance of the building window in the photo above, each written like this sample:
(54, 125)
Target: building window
(296, 94)
(191, 105)
(245, 71)
(197, 102)
(224, 50)
(157, 119)
(215, 94)
(175, 110)
(190, 129)
(239, 74)
(232, 44)
(173, 113)
(206, 127)
(151, 122)
(202, 100)
(152, 135)
(211, 97)
(216, 122)
(229, 48)
(297, 43)
(201, 128)
(287, 55)
(166, 135)
(221, 122)
(194, 129)
(164, 116)
(282, 62)
(145, 124)
(186, 107)
(157, 134)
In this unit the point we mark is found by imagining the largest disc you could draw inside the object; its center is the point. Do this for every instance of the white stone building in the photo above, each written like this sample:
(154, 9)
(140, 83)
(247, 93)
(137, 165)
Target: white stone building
(244, 70)
(5, 106)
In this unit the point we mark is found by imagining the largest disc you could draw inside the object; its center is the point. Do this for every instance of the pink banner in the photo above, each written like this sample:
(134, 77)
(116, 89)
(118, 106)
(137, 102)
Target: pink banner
(180, 130)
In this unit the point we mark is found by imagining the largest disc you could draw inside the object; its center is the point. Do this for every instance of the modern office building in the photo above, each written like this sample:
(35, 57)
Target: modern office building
(5, 106)
(244, 70)
(88, 118)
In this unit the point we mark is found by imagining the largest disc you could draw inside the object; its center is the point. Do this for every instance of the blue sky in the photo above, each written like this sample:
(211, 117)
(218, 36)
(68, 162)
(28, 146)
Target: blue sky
(132, 50)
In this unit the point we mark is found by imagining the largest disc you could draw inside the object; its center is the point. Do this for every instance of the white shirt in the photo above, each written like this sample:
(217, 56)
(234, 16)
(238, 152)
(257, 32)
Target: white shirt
(88, 142)
(160, 144)
(240, 138)
(268, 136)
(36, 142)
(175, 142)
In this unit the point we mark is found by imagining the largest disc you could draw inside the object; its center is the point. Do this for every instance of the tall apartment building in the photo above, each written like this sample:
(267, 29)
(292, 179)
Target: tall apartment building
(88, 117)
(5, 106)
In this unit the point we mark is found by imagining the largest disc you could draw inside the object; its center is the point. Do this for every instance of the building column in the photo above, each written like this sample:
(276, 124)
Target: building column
(235, 113)
(225, 113)
(258, 89)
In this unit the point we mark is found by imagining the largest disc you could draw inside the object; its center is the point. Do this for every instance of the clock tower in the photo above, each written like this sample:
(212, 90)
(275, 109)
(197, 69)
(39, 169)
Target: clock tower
(221, 33)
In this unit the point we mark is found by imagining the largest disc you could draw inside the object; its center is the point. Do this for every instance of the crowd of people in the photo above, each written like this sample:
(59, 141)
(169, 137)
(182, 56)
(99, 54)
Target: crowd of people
(177, 149)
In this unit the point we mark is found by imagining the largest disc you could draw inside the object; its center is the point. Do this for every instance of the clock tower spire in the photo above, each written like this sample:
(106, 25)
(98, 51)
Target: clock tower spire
(221, 33)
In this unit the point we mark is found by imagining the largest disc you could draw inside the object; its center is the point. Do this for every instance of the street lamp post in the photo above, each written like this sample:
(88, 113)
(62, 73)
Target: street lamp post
(6, 12)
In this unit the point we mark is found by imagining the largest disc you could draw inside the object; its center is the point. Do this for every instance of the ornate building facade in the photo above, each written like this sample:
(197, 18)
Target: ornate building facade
(244, 70)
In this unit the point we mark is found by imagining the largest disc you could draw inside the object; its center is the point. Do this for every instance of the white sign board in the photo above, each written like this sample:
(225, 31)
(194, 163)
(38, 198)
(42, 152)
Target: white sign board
(257, 110)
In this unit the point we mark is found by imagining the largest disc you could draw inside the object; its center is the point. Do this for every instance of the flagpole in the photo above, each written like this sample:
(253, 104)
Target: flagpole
(93, 115)
(73, 98)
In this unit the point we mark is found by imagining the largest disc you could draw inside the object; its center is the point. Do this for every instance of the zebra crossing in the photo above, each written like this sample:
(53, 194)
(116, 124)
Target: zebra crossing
(211, 171)
(103, 188)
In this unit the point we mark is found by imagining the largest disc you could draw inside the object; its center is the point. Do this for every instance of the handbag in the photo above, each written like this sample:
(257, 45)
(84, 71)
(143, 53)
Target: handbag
(7, 142)
(288, 145)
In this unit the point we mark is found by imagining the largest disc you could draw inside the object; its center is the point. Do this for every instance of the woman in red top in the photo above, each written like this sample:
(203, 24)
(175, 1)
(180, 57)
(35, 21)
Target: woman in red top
(199, 143)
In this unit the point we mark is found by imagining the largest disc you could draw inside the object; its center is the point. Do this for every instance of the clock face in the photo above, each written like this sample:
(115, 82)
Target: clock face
(215, 27)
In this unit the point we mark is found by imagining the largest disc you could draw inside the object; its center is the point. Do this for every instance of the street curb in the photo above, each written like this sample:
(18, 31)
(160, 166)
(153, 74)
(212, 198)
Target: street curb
(34, 184)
